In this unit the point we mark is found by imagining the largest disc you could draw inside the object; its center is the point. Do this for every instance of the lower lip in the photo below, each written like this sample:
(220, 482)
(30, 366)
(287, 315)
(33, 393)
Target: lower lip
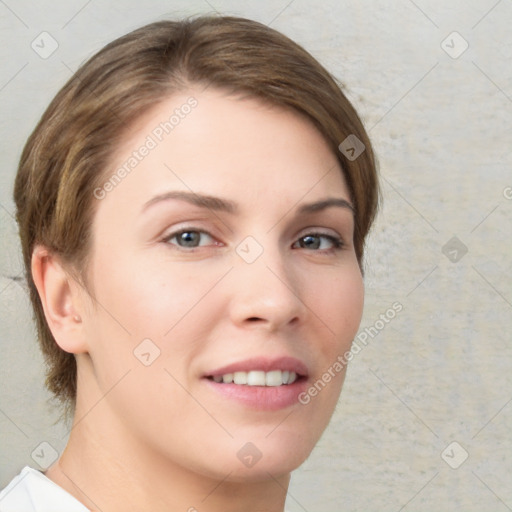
(265, 398)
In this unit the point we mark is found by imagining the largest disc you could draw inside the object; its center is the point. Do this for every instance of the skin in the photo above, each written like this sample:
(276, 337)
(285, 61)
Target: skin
(157, 437)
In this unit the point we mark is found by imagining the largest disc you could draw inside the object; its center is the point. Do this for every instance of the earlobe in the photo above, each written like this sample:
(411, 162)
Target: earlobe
(60, 302)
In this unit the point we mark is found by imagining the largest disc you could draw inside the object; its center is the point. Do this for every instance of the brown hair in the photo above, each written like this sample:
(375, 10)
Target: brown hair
(66, 156)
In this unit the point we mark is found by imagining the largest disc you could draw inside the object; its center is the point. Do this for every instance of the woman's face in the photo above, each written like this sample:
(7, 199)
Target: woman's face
(224, 253)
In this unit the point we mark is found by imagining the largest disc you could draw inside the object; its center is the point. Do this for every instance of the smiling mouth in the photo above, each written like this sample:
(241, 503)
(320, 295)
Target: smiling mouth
(260, 383)
(272, 378)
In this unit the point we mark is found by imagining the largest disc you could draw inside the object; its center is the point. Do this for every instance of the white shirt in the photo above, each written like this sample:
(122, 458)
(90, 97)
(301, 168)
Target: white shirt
(32, 491)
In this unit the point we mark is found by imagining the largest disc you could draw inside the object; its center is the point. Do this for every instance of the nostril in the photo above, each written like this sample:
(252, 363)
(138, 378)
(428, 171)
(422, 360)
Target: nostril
(257, 319)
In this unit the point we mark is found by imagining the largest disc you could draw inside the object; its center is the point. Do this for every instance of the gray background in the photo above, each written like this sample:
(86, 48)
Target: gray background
(439, 372)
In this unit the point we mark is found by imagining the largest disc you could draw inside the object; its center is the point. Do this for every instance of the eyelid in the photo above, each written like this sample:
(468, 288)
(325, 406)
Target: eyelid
(328, 232)
(187, 225)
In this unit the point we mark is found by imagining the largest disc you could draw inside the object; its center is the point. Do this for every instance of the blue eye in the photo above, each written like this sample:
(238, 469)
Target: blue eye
(318, 241)
(189, 238)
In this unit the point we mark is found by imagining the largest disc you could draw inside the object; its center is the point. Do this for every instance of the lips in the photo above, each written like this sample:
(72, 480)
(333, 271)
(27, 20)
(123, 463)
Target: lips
(260, 383)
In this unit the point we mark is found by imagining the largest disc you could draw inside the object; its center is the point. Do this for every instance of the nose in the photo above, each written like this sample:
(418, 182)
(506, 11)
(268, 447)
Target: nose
(266, 294)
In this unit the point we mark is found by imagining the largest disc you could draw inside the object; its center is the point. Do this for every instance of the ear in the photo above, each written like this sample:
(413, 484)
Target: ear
(61, 300)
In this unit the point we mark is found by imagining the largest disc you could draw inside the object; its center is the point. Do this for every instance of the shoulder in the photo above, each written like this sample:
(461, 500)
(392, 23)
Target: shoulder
(32, 491)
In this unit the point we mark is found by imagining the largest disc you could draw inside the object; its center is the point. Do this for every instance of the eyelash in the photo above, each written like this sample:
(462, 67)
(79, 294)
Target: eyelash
(337, 242)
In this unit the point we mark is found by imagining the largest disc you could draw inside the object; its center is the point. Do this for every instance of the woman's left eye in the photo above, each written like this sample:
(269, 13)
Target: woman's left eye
(189, 238)
(318, 241)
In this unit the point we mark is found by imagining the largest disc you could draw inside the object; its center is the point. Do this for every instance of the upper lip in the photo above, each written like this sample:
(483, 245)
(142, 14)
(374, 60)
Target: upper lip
(265, 364)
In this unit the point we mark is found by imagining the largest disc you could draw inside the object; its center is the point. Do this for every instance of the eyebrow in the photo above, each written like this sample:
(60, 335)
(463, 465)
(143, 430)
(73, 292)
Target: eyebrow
(201, 200)
(219, 204)
(326, 203)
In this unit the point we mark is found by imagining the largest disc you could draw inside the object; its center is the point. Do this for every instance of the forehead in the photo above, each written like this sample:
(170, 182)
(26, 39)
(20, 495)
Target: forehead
(210, 142)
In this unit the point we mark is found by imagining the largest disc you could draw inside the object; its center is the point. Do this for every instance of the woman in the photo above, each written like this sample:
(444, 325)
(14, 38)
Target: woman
(193, 207)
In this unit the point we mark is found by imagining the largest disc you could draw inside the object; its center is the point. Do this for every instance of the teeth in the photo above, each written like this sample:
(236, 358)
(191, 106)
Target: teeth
(258, 378)
(228, 378)
(240, 377)
(274, 378)
(255, 379)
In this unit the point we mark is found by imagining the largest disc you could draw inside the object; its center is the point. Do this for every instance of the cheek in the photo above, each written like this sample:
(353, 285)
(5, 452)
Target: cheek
(338, 303)
(152, 299)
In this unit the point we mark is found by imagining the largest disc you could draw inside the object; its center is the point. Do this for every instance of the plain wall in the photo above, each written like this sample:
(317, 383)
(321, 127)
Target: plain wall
(439, 372)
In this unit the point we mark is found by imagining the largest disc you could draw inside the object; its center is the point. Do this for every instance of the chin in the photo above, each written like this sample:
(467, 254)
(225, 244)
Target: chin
(276, 466)
(264, 458)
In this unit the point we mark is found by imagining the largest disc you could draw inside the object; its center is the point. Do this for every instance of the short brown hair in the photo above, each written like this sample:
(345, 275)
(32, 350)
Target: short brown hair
(67, 155)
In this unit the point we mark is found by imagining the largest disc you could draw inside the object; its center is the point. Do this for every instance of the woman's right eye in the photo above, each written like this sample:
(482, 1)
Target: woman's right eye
(189, 238)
